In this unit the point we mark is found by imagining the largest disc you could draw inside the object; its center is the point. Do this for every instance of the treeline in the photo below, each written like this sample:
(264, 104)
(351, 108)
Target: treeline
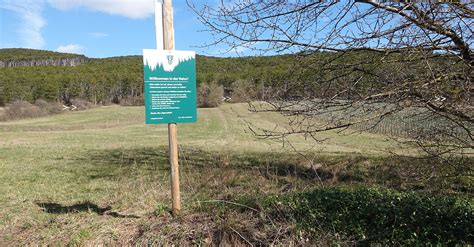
(119, 80)
(99, 81)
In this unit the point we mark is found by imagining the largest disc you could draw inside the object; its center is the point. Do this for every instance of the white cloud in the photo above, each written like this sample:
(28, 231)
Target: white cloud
(135, 9)
(99, 34)
(71, 48)
(29, 12)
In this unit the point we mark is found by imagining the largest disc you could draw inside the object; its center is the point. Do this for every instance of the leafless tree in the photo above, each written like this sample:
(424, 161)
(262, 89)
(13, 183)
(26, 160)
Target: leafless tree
(361, 63)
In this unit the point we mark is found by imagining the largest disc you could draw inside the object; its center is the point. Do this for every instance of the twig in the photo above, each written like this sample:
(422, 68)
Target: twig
(240, 235)
(232, 203)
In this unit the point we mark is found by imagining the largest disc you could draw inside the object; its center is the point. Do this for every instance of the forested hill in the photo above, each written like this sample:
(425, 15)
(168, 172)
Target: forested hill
(17, 57)
(112, 79)
(120, 79)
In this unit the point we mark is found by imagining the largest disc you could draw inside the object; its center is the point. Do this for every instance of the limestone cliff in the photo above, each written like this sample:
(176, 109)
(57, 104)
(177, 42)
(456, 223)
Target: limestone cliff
(74, 61)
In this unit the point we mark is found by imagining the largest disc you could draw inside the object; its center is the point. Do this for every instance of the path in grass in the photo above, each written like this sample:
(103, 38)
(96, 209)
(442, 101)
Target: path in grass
(98, 174)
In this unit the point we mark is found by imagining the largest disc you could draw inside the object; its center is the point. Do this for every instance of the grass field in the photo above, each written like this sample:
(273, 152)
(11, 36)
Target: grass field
(102, 175)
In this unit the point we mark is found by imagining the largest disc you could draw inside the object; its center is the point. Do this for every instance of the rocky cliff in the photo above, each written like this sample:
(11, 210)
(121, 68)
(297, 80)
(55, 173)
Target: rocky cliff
(44, 62)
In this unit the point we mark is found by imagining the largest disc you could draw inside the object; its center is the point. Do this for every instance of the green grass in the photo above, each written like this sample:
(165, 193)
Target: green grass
(102, 175)
(360, 215)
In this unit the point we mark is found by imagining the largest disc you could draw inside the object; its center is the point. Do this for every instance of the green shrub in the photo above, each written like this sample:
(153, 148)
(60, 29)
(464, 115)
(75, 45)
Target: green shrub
(380, 216)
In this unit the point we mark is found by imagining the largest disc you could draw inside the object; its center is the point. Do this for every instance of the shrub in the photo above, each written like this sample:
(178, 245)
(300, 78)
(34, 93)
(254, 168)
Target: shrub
(49, 107)
(210, 95)
(82, 104)
(369, 215)
(2, 98)
(2, 114)
(22, 109)
(132, 101)
(243, 91)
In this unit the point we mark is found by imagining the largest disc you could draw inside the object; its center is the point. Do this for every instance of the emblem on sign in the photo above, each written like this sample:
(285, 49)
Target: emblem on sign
(170, 59)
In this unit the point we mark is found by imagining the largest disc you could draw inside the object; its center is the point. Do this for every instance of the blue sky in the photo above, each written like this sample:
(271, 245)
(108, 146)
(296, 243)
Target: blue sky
(96, 28)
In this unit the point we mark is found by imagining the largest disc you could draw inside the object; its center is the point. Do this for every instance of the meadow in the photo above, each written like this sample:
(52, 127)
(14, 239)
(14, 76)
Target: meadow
(101, 176)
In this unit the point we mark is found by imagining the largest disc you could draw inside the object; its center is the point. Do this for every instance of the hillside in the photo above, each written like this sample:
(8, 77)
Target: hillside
(112, 79)
(120, 79)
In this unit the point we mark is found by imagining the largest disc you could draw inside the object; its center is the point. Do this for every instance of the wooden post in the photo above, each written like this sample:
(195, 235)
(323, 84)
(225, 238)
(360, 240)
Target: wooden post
(168, 41)
(173, 146)
(168, 29)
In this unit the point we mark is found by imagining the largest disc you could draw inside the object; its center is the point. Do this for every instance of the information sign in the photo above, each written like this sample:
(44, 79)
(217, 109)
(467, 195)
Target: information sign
(170, 86)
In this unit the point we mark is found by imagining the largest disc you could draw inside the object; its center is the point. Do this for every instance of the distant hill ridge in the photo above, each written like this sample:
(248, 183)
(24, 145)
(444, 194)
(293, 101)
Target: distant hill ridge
(19, 57)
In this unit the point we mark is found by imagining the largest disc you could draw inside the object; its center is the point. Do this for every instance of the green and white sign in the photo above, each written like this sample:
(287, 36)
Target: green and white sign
(170, 86)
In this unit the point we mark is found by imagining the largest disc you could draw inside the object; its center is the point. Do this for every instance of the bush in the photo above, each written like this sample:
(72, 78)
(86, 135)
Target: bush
(2, 98)
(210, 95)
(49, 107)
(132, 101)
(82, 104)
(368, 215)
(22, 109)
(2, 114)
(243, 91)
